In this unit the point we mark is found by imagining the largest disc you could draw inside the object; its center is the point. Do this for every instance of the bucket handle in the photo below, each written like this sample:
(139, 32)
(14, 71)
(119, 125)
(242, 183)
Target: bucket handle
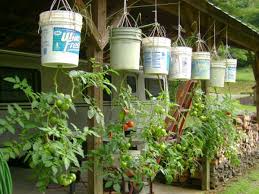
(64, 4)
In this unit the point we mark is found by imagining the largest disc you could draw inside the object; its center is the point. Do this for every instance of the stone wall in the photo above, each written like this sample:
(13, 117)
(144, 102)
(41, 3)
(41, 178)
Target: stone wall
(221, 170)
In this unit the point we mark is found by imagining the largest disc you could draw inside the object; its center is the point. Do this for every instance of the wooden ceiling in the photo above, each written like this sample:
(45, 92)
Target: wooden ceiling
(19, 21)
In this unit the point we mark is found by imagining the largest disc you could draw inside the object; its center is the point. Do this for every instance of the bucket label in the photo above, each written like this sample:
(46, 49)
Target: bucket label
(158, 58)
(230, 74)
(66, 40)
(201, 68)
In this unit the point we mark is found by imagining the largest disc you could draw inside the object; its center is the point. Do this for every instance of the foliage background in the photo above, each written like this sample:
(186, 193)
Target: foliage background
(248, 12)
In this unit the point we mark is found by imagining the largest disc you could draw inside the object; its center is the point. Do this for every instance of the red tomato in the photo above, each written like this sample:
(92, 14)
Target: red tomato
(130, 124)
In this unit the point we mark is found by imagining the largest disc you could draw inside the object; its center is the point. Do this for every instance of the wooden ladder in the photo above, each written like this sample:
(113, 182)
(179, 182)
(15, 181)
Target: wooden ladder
(181, 111)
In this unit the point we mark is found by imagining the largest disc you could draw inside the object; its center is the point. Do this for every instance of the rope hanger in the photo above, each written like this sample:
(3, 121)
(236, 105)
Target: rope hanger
(179, 41)
(201, 44)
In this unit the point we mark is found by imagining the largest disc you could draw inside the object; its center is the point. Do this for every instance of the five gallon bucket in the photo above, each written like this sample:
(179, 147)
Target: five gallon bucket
(201, 65)
(217, 73)
(181, 64)
(125, 48)
(156, 55)
(231, 69)
(60, 38)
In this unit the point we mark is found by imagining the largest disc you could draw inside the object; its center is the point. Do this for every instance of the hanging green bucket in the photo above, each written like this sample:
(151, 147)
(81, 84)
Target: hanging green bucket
(217, 73)
(231, 70)
(201, 65)
(125, 48)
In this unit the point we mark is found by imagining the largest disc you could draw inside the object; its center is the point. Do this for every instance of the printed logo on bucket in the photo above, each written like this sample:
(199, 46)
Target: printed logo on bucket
(66, 40)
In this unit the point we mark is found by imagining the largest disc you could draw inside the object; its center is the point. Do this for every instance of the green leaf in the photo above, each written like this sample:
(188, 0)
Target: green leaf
(26, 146)
(66, 163)
(2, 122)
(10, 79)
(11, 110)
(91, 113)
(108, 184)
(117, 187)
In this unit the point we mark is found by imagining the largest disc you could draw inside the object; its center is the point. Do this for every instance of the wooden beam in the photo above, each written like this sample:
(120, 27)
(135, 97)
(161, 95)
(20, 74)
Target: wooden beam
(256, 75)
(95, 180)
(95, 34)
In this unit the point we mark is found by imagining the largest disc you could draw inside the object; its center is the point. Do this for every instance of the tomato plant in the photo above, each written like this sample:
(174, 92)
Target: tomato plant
(47, 139)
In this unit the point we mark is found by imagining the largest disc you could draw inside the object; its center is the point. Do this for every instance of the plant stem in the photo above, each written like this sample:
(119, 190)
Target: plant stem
(55, 80)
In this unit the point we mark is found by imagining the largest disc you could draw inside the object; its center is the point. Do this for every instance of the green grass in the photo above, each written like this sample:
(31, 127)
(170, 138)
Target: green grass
(246, 108)
(244, 84)
(245, 74)
(247, 184)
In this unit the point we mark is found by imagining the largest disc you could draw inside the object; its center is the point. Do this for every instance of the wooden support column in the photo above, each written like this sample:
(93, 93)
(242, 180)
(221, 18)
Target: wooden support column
(99, 9)
(205, 186)
(256, 75)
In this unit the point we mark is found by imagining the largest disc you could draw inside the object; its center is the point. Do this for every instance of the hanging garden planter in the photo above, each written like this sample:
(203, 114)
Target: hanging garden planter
(125, 48)
(156, 49)
(201, 59)
(201, 65)
(125, 42)
(60, 37)
(231, 64)
(156, 55)
(231, 69)
(218, 66)
(217, 72)
(181, 64)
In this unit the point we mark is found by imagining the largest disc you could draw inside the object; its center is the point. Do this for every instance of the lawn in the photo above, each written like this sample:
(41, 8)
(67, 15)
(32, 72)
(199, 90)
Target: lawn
(247, 184)
(244, 84)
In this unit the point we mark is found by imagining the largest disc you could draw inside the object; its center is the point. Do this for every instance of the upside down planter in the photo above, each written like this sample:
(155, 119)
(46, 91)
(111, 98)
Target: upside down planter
(180, 68)
(125, 48)
(201, 65)
(217, 73)
(156, 55)
(60, 38)
(231, 69)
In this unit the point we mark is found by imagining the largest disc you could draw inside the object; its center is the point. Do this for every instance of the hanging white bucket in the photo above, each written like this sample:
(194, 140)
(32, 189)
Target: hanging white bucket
(156, 55)
(217, 74)
(60, 38)
(201, 65)
(180, 68)
(231, 70)
(125, 48)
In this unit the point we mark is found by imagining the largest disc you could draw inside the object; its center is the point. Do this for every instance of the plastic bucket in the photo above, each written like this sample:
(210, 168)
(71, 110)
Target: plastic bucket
(231, 69)
(201, 65)
(60, 38)
(181, 63)
(217, 73)
(156, 55)
(125, 48)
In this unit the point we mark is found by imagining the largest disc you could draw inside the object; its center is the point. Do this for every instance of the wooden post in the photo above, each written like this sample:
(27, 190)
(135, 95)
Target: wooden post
(95, 181)
(256, 75)
(205, 186)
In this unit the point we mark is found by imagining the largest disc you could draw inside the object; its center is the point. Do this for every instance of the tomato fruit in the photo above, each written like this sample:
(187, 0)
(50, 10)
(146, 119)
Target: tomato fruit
(59, 103)
(65, 107)
(72, 176)
(125, 127)
(130, 124)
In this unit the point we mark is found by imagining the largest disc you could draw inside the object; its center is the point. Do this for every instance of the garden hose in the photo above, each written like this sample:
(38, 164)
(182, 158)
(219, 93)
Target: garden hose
(6, 184)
